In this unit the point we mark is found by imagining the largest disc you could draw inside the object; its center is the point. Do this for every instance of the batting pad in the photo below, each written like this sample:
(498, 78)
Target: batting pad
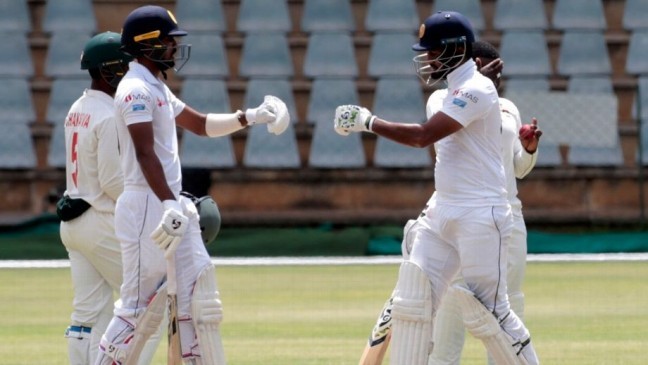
(483, 325)
(412, 314)
(207, 314)
(147, 325)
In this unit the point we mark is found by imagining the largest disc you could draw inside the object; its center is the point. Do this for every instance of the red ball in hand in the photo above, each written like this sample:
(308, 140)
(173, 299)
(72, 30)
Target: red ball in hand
(527, 132)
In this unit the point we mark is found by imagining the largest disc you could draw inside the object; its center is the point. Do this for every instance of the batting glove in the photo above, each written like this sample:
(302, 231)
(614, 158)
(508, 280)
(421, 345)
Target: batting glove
(352, 118)
(273, 112)
(172, 227)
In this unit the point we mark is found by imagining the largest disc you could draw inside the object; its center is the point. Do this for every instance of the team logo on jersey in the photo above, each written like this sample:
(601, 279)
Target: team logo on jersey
(160, 102)
(132, 97)
(139, 107)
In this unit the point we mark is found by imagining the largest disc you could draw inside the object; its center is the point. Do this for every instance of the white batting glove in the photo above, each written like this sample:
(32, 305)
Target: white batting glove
(172, 227)
(352, 118)
(272, 111)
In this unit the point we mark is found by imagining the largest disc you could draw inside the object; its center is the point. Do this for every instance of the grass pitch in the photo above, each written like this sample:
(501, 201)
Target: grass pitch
(578, 313)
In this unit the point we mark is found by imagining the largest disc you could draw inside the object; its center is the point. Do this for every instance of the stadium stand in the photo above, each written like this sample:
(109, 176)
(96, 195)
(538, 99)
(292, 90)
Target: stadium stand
(330, 55)
(583, 52)
(251, 30)
(208, 56)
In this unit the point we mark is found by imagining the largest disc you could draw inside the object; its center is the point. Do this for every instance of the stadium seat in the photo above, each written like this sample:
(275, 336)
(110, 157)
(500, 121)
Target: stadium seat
(281, 88)
(326, 95)
(583, 53)
(69, 16)
(63, 93)
(206, 96)
(590, 84)
(16, 60)
(548, 155)
(520, 14)
(330, 54)
(63, 55)
(635, 14)
(391, 54)
(204, 152)
(327, 16)
(265, 150)
(208, 56)
(596, 156)
(263, 16)
(470, 8)
(640, 107)
(16, 100)
(526, 53)
(579, 14)
(331, 150)
(14, 17)
(390, 15)
(637, 52)
(644, 143)
(266, 55)
(200, 16)
(517, 84)
(16, 146)
(400, 100)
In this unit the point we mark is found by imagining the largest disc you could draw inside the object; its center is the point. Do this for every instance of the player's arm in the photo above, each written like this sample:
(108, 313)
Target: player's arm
(439, 126)
(143, 141)
(526, 149)
(272, 112)
(353, 118)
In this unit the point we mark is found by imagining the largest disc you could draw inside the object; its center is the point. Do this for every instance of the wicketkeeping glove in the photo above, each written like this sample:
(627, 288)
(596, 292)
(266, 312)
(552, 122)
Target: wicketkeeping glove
(352, 118)
(172, 227)
(272, 111)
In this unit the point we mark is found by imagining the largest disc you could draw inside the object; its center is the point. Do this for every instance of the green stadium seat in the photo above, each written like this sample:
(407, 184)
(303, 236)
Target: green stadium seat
(579, 14)
(69, 16)
(266, 55)
(390, 15)
(200, 16)
(520, 14)
(16, 146)
(327, 16)
(330, 54)
(263, 16)
(208, 56)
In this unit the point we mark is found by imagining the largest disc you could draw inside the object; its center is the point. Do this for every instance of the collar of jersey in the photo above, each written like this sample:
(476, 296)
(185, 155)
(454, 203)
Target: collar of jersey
(98, 94)
(142, 71)
(461, 73)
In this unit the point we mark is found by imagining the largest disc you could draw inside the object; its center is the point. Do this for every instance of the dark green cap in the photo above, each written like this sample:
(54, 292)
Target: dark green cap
(102, 49)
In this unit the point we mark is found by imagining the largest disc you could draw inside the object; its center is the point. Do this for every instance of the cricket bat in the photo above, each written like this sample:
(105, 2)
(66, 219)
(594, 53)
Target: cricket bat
(174, 352)
(378, 342)
(374, 352)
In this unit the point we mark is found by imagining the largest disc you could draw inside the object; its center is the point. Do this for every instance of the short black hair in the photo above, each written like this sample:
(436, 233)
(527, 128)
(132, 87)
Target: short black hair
(485, 50)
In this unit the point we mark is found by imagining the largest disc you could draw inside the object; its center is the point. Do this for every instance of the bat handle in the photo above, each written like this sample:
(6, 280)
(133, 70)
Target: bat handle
(172, 286)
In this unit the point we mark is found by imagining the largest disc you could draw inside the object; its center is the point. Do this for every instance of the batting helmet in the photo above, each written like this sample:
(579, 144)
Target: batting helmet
(143, 33)
(102, 53)
(210, 218)
(450, 34)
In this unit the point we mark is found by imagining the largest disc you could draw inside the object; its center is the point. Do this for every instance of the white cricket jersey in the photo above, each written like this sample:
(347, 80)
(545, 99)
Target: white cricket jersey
(517, 162)
(92, 165)
(143, 98)
(469, 168)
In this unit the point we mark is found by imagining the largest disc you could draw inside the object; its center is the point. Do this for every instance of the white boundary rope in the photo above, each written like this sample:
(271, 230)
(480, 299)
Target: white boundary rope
(347, 260)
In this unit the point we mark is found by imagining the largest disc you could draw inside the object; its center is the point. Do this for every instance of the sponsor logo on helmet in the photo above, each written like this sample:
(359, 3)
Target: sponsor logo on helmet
(421, 30)
(172, 17)
(149, 35)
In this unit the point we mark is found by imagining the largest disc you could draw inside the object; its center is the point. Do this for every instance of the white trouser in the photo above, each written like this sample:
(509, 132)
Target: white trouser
(137, 214)
(95, 266)
(449, 332)
(472, 241)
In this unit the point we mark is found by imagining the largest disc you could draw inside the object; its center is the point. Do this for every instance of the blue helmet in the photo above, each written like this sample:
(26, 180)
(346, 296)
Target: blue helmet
(451, 36)
(143, 32)
(442, 28)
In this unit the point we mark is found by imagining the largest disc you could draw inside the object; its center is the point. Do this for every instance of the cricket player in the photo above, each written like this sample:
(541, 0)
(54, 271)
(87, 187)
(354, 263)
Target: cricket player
(519, 157)
(467, 223)
(94, 181)
(153, 221)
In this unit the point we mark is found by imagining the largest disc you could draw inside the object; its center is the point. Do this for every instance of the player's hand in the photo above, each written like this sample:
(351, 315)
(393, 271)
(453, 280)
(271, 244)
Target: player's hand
(273, 112)
(188, 207)
(352, 118)
(172, 227)
(493, 70)
(530, 136)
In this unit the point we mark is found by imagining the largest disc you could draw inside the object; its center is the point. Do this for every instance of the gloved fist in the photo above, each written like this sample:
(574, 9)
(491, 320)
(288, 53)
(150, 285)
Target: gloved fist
(172, 227)
(352, 118)
(272, 111)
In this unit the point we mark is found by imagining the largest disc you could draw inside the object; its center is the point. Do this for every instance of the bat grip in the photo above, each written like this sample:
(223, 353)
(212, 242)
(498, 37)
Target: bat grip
(172, 286)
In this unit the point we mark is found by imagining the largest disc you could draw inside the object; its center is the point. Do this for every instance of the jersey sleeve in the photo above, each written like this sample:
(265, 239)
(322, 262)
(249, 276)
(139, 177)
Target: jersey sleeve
(523, 161)
(177, 104)
(467, 104)
(136, 105)
(435, 102)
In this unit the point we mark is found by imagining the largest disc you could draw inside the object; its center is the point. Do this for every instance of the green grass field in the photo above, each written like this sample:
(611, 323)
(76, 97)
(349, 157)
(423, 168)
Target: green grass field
(578, 313)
